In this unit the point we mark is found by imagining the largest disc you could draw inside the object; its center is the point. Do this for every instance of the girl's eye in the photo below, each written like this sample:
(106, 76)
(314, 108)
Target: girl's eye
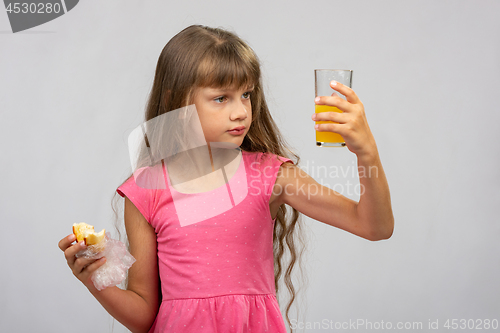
(221, 99)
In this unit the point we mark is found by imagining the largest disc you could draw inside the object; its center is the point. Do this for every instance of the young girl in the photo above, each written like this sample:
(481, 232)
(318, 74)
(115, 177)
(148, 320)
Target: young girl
(221, 274)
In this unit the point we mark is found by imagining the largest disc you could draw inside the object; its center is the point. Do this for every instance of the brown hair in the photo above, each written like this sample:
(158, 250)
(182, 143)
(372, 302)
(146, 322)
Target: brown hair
(201, 56)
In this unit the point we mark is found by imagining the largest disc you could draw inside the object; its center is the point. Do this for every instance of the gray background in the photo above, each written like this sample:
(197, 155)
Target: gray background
(427, 72)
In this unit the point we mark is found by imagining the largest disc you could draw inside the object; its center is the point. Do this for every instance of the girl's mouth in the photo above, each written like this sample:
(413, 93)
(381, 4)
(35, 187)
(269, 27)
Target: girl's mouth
(237, 131)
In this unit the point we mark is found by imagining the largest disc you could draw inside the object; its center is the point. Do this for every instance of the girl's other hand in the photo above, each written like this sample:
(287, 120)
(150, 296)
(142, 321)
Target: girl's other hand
(82, 268)
(351, 123)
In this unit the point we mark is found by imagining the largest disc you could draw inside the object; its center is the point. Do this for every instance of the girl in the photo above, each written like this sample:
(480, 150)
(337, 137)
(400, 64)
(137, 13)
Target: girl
(221, 274)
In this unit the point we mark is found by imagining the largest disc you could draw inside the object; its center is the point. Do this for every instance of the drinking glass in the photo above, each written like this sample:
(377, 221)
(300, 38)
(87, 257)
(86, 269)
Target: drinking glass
(323, 77)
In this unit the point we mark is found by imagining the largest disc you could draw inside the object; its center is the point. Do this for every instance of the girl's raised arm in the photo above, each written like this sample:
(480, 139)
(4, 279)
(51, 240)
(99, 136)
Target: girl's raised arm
(137, 306)
(371, 217)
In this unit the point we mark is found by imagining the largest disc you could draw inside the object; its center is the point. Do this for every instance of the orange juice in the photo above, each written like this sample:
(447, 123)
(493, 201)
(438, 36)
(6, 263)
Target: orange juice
(328, 137)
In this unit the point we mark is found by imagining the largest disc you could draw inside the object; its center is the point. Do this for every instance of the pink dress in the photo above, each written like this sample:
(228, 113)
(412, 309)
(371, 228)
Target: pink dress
(217, 275)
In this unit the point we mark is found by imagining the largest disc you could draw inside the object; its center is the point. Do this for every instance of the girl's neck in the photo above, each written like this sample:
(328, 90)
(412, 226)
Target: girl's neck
(199, 162)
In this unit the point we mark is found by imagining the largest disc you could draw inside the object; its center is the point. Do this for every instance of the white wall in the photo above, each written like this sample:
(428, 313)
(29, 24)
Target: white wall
(428, 73)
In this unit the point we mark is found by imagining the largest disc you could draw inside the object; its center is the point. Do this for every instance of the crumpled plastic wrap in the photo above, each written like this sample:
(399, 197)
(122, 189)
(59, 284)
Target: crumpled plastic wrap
(118, 261)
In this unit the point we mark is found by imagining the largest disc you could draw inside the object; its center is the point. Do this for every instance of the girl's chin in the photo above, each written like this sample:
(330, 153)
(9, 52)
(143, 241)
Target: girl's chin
(234, 140)
(227, 143)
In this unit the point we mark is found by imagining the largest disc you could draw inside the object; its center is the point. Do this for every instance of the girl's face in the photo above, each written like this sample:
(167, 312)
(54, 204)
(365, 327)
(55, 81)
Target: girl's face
(222, 112)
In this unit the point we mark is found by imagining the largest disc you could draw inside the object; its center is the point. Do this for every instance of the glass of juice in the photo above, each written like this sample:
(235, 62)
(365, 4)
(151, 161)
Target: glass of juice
(322, 78)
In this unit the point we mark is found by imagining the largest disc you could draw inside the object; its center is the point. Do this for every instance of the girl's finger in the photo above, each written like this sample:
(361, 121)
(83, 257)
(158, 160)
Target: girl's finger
(95, 265)
(66, 242)
(336, 101)
(87, 271)
(329, 127)
(81, 264)
(73, 250)
(338, 117)
(349, 94)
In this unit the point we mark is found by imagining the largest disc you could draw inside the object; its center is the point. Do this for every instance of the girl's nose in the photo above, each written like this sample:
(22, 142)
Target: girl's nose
(239, 112)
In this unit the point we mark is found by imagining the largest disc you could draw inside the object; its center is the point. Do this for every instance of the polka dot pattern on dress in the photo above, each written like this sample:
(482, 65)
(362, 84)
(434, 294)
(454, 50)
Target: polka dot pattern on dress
(219, 267)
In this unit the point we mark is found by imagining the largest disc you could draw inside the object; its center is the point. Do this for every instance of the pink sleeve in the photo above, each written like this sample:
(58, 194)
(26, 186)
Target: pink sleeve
(140, 197)
(270, 171)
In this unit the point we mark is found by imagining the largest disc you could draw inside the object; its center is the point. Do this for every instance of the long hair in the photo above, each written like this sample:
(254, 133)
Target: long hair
(201, 56)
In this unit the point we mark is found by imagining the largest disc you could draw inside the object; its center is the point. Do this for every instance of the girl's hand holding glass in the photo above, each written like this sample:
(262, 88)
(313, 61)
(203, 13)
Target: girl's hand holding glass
(351, 123)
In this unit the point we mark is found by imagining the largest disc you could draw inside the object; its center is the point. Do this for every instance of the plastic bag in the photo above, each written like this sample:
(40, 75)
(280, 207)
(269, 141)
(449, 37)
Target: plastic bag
(118, 261)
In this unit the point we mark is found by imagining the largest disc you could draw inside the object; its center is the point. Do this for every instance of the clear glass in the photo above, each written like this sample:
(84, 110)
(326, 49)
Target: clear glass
(322, 79)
